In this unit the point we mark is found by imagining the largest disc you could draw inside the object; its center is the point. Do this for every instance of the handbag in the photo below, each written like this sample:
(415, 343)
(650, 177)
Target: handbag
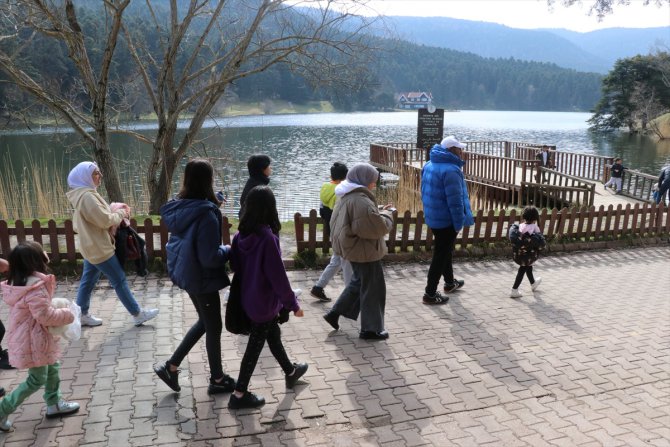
(237, 321)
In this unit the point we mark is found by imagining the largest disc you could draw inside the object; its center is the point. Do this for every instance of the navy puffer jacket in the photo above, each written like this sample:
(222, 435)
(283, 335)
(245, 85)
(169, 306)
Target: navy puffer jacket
(443, 191)
(196, 258)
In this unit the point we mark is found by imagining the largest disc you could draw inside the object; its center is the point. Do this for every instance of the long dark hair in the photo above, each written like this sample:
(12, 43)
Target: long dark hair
(24, 260)
(260, 209)
(198, 181)
(530, 214)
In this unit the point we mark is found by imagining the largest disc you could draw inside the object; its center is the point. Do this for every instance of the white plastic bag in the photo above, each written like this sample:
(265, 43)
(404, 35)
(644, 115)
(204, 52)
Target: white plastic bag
(73, 331)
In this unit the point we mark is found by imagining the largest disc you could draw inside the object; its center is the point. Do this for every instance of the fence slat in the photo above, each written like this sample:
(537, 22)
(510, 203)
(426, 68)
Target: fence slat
(53, 241)
(71, 254)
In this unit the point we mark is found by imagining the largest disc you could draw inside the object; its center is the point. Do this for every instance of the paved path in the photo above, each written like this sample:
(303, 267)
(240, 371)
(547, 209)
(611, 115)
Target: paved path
(585, 362)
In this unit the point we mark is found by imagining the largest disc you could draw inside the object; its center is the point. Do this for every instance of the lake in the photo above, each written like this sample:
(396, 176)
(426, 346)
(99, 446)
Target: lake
(304, 146)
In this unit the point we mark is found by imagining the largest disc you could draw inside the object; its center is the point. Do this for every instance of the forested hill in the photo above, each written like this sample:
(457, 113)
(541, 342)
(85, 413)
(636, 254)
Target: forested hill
(457, 80)
(595, 51)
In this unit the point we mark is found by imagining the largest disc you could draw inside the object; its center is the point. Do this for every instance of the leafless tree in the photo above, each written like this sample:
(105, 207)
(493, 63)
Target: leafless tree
(58, 20)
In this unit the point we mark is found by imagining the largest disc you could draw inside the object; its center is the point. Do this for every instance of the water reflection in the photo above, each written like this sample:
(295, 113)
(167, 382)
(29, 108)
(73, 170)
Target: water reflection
(304, 146)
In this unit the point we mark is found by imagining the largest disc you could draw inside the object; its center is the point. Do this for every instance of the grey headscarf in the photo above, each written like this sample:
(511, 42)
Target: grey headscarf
(363, 174)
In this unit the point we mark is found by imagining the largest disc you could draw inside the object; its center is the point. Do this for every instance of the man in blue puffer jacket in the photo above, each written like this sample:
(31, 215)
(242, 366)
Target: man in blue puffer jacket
(446, 207)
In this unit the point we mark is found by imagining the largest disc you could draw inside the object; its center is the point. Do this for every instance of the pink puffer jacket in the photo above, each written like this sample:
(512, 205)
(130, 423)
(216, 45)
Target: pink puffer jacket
(29, 342)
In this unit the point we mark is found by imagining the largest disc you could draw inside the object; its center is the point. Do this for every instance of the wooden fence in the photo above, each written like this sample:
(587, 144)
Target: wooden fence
(60, 241)
(409, 233)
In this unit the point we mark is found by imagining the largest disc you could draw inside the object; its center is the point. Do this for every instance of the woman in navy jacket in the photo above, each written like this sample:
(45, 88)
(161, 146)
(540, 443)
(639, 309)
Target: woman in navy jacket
(196, 263)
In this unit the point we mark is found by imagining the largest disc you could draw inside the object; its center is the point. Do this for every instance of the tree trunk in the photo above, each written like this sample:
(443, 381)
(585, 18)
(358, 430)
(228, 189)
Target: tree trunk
(160, 171)
(106, 163)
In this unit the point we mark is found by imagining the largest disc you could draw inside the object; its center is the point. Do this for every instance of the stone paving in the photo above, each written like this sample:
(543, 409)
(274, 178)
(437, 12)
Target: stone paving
(585, 361)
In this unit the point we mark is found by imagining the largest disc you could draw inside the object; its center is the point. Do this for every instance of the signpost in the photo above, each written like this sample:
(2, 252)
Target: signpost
(430, 128)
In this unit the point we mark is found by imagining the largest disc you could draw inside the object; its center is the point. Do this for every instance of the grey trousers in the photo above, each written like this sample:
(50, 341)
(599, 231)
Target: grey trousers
(336, 263)
(365, 295)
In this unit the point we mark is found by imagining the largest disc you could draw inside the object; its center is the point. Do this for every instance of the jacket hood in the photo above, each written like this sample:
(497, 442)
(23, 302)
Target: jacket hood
(13, 294)
(75, 195)
(248, 243)
(179, 214)
(345, 187)
(438, 154)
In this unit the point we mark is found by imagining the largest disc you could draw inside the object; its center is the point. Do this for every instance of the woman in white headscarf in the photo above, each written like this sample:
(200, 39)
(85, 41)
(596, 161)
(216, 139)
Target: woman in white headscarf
(94, 221)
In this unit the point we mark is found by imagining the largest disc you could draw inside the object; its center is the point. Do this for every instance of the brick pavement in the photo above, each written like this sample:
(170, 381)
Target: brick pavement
(585, 361)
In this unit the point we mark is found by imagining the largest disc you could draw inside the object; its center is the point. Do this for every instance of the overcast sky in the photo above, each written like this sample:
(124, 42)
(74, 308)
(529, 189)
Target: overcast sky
(530, 13)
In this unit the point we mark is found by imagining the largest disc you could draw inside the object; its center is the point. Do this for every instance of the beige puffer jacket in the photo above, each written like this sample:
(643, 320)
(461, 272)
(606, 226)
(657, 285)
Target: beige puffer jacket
(358, 227)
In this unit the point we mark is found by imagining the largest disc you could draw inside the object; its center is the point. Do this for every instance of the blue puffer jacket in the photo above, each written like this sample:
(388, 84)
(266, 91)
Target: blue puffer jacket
(196, 258)
(444, 192)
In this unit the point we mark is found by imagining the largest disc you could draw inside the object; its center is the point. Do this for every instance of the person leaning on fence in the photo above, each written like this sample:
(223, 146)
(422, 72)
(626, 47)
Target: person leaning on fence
(359, 228)
(545, 161)
(663, 185)
(28, 292)
(95, 222)
(446, 208)
(338, 172)
(616, 175)
(527, 241)
(196, 262)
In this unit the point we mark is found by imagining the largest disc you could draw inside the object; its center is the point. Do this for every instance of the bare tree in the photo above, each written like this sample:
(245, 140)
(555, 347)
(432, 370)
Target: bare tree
(187, 55)
(58, 20)
(602, 8)
(209, 46)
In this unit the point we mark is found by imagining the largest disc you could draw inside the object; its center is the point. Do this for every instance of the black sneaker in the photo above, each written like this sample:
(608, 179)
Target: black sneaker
(249, 400)
(435, 298)
(227, 385)
(4, 360)
(300, 370)
(317, 292)
(454, 285)
(372, 335)
(332, 319)
(170, 378)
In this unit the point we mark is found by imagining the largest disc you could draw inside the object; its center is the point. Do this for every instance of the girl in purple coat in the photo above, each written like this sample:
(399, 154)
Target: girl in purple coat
(265, 291)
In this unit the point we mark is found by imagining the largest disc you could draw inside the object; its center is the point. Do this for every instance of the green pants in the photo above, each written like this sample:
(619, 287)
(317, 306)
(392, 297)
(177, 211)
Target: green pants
(46, 376)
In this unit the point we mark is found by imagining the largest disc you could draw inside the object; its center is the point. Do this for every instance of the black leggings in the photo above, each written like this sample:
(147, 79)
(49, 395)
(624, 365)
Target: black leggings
(523, 270)
(443, 248)
(208, 306)
(2, 333)
(259, 333)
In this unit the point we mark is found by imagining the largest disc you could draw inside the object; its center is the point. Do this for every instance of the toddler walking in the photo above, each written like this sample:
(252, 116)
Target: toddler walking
(527, 241)
(28, 292)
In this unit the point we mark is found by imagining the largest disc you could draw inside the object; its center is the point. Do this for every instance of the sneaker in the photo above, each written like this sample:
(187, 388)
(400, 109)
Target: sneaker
(515, 293)
(90, 320)
(454, 285)
(317, 292)
(5, 424)
(227, 385)
(4, 360)
(332, 319)
(171, 378)
(536, 284)
(372, 335)
(144, 316)
(62, 408)
(249, 400)
(298, 372)
(435, 298)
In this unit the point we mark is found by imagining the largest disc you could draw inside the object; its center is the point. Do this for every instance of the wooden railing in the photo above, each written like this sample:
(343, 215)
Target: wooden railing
(409, 233)
(637, 184)
(60, 241)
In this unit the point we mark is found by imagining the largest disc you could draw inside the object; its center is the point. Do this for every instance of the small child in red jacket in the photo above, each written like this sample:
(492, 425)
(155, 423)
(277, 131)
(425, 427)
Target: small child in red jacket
(28, 291)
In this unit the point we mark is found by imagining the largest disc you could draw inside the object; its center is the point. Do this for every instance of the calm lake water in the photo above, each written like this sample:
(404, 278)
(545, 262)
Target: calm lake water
(304, 146)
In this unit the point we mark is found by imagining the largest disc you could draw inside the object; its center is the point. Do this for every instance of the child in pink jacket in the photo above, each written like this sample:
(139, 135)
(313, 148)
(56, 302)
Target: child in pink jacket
(28, 292)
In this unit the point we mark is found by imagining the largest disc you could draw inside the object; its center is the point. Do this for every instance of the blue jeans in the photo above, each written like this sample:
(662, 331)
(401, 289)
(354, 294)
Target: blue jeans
(117, 278)
(336, 262)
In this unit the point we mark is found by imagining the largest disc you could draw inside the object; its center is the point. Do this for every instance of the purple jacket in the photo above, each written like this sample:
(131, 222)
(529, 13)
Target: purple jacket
(265, 287)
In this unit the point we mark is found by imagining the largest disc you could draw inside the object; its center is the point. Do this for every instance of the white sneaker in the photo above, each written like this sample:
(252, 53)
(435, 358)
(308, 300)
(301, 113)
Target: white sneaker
(536, 284)
(515, 294)
(90, 320)
(144, 316)
(5, 424)
(63, 407)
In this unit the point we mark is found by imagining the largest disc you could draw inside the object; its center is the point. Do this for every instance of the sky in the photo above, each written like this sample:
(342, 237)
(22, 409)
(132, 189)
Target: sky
(531, 13)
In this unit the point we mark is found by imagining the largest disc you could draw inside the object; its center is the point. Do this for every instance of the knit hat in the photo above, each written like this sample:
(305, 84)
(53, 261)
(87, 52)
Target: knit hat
(81, 176)
(363, 174)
